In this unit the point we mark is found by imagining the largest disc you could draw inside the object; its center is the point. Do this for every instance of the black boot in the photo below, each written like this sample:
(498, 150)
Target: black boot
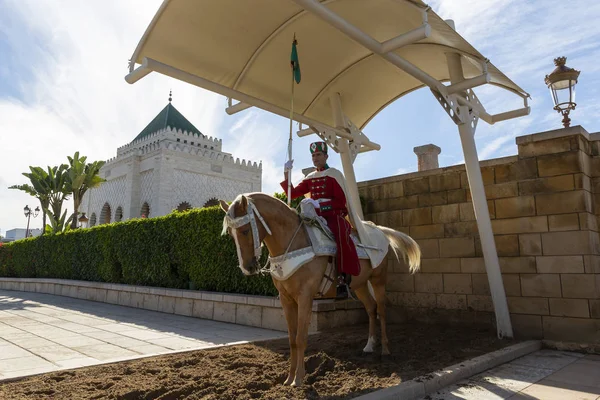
(342, 287)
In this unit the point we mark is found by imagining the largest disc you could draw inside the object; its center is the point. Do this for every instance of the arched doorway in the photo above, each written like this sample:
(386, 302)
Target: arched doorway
(93, 220)
(145, 211)
(184, 206)
(119, 214)
(105, 214)
(212, 202)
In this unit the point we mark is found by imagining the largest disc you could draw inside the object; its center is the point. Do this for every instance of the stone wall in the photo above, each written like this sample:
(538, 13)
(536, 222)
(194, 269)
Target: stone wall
(544, 205)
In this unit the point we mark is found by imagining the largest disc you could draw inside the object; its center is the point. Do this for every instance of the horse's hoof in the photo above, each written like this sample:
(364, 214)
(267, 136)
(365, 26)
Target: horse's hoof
(289, 380)
(297, 382)
(370, 347)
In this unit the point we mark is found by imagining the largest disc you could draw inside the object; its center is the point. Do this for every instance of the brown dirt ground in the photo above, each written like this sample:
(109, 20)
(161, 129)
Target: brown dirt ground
(336, 368)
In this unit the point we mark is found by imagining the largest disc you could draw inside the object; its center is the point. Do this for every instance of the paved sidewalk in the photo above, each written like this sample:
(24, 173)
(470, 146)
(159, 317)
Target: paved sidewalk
(544, 375)
(42, 333)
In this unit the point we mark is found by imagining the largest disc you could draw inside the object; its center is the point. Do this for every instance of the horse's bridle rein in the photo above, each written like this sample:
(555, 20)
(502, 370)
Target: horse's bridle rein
(251, 214)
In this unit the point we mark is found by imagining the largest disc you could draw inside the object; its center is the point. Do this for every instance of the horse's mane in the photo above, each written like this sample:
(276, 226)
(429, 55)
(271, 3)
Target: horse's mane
(251, 197)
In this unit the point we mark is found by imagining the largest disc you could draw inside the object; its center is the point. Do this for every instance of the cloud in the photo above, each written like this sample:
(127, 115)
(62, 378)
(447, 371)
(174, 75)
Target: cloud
(258, 139)
(402, 171)
(62, 90)
(67, 65)
(493, 146)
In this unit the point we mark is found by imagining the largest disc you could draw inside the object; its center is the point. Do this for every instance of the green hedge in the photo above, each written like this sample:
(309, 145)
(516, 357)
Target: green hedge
(175, 251)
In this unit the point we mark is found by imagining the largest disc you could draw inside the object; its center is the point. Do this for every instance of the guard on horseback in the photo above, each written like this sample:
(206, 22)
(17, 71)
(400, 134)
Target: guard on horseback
(331, 204)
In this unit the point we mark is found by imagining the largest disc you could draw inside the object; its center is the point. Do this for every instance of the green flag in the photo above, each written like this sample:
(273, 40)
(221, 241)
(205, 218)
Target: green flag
(295, 62)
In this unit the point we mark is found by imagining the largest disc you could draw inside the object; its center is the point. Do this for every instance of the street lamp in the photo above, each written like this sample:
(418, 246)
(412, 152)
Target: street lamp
(83, 220)
(561, 83)
(28, 213)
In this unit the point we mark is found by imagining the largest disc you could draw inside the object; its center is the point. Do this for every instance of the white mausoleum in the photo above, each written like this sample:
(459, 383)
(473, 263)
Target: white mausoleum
(169, 165)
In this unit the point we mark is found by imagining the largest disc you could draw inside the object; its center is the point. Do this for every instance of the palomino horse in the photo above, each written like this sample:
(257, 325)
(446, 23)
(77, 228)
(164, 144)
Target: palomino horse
(278, 227)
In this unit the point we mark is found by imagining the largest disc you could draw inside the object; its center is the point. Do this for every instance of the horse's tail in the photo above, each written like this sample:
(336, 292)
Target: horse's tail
(402, 243)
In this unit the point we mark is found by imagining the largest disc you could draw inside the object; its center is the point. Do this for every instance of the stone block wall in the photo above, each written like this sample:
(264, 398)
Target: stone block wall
(544, 205)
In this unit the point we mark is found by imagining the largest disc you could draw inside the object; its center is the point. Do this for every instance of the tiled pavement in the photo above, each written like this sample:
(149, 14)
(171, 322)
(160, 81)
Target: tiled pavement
(544, 375)
(43, 333)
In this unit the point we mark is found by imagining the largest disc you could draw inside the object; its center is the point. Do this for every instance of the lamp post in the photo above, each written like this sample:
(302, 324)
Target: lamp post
(83, 220)
(561, 83)
(27, 211)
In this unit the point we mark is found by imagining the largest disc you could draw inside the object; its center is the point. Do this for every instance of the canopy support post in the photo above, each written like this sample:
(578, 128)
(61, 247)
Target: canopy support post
(342, 146)
(467, 122)
(348, 167)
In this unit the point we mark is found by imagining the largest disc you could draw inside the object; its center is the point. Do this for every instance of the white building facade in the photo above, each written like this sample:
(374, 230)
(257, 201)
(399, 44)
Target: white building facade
(19, 233)
(169, 165)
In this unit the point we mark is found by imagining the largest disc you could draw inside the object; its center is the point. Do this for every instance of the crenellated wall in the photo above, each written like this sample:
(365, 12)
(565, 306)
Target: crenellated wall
(191, 138)
(185, 142)
(544, 205)
(162, 170)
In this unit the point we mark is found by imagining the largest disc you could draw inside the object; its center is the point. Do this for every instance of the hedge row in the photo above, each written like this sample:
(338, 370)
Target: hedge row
(180, 250)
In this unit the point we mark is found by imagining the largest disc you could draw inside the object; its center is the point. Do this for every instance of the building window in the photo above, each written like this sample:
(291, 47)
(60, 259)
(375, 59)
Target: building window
(145, 211)
(105, 214)
(185, 142)
(184, 206)
(178, 140)
(119, 214)
(93, 220)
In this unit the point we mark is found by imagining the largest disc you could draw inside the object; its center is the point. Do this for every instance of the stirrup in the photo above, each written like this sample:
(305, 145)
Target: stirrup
(342, 292)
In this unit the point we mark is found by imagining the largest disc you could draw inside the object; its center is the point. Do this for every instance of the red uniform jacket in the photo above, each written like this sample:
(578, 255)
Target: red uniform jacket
(327, 191)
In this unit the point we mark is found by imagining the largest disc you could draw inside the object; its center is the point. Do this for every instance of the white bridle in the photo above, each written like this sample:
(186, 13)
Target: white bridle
(234, 223)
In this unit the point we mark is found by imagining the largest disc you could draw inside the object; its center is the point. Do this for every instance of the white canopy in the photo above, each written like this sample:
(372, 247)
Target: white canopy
(356, 57)
(245, 46)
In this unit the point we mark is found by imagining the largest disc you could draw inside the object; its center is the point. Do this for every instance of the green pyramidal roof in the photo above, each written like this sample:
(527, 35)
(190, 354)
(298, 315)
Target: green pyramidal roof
(169, 116)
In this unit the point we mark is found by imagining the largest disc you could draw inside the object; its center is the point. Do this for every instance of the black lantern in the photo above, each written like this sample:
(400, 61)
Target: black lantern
(561, 83)
(83, 220)
(27, 211)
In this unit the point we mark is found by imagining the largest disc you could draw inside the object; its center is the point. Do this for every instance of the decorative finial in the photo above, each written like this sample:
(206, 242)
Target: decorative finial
(170, 95)
(559, 61)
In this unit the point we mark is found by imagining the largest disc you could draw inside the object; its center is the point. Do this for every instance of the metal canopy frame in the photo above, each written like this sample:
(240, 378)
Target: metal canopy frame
(458, 100)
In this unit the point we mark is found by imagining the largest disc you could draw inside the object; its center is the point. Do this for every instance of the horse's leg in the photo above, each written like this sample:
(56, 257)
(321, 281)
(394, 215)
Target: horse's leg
(290, 310)
(378, 281)
(365, 297)
(305, 302)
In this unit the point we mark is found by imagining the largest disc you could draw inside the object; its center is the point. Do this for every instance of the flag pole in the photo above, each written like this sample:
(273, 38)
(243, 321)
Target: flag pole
(289, 191)
(295, 65)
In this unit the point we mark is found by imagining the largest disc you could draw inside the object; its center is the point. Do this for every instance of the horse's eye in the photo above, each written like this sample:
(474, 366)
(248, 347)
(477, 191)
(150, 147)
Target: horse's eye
(245, 233)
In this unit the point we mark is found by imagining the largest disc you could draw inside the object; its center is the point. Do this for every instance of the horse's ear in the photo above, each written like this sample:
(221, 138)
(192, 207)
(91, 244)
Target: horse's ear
(224, 205)
(243, 204)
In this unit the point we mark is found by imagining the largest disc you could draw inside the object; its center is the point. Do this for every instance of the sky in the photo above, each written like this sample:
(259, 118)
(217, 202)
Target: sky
(62, 89)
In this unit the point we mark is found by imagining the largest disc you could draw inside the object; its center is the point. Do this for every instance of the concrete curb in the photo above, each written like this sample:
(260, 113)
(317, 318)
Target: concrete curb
(427, 384)
(249, 310)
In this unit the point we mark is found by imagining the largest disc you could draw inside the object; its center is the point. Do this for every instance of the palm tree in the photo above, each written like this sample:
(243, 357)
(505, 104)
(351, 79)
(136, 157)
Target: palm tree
(81, 177)
(58, 179)
(40, 188)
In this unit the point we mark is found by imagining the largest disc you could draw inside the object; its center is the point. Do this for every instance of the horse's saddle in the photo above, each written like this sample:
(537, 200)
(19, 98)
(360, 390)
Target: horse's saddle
(323, 244)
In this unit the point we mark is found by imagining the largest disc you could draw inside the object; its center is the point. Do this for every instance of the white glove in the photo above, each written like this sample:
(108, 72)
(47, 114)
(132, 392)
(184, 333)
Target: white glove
(315, 203)
(288, 165)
